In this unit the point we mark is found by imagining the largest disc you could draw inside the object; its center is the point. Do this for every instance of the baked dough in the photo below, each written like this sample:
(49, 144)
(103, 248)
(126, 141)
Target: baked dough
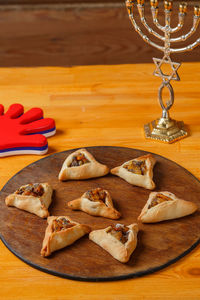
(138, 171)
(96, 202)
(81, 165)
(119, 240)
(165, 206)
(34, 198)
(61, 232)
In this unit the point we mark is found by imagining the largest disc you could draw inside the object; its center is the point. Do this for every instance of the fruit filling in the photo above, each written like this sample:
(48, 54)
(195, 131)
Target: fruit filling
(62, 224)
(97, 194)
(35, 190)
(120, 232)
(159, 198)
(136, 166)
(79, 160)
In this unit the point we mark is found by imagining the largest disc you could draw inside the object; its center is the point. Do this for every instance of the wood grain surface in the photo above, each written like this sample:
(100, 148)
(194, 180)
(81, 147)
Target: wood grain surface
(92, 106)
(80, 34)
(158, 244)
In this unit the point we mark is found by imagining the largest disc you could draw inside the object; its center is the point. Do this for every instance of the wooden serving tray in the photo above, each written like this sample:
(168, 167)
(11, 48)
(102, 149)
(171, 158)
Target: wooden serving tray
(159, 244)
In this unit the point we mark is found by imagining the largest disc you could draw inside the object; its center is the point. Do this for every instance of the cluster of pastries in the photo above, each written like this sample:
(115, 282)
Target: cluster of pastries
(82, 165)
(118, 239)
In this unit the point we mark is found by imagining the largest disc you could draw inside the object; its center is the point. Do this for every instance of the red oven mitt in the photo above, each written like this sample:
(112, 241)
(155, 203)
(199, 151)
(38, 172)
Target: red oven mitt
(24, 133)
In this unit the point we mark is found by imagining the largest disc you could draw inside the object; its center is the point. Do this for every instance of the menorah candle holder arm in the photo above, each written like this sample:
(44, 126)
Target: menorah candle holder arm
(168, 12)
(145, 38)
(187, 48)
(181, 17)
(154, 11)
(184, 37)
(180, 24)
(144, 22)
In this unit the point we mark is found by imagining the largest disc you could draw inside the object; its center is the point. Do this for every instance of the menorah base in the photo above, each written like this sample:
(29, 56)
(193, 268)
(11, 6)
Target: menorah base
(165, 130)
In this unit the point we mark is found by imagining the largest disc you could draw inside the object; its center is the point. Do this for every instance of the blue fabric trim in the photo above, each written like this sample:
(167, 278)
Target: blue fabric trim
(24, 148)
(43, 132)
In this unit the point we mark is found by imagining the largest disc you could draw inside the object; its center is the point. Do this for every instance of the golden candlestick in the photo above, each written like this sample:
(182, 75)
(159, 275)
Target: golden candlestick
(165, 129)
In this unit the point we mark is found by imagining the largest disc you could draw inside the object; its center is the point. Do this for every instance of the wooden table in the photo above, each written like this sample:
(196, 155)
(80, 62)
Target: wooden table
(102, 105)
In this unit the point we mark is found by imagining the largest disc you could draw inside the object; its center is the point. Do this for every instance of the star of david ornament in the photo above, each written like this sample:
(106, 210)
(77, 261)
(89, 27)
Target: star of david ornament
(174, 66)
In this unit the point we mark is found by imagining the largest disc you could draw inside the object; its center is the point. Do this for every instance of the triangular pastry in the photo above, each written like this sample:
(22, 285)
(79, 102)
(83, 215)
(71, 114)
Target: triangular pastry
(34, 198)
(138, 171)
(96, 202)
(119, 240)
(61, 232)
(165, 206)
(81, 165)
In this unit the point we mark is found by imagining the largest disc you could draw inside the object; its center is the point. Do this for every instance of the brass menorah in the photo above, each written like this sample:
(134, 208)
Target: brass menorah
(165, 129)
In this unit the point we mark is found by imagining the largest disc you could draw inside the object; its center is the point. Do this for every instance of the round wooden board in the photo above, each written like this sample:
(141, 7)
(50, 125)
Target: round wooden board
(158, 244)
